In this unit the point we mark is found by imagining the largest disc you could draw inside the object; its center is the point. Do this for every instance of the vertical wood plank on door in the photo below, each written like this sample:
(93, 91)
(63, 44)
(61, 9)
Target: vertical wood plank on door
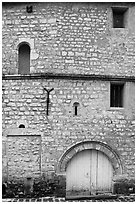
(78, 174)
(93, 171)
(104, 173)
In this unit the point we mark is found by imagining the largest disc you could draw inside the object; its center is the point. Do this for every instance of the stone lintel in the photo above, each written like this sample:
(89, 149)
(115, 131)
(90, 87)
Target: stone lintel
(22, 132)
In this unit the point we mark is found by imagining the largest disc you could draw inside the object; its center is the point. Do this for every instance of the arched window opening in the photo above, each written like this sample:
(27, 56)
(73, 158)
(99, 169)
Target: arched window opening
(24, 59)
(21, 126)
(75, 105)
(29, 9)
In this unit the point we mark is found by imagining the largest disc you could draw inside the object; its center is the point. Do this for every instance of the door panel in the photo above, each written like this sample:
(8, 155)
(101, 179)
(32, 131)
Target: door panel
(104, 173)
(93, 171)
(89, 172)
(78, 174)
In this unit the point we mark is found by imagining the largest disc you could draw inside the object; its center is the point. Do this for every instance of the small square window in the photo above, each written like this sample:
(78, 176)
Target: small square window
(119, 17)
(116, 95)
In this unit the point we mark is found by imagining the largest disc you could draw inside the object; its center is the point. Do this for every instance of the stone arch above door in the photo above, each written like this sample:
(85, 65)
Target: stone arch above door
(85, 145)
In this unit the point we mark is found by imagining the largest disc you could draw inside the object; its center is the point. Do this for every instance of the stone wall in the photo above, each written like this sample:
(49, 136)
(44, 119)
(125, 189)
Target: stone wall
(24, 156)
(24, 102)
(66, 38)
(69, 38)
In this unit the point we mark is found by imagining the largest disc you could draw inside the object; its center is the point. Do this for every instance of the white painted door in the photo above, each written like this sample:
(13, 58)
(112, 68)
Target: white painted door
(88, 172)
(104, 173)
(78, 174)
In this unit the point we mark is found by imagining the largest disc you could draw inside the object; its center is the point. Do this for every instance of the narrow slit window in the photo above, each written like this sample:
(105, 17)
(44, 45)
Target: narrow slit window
(24, 59)
(116, 95)
(76, 110)
(75, 105)
(119, 17)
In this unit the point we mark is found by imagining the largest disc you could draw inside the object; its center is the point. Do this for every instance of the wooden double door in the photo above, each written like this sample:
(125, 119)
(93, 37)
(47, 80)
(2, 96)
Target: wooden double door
(89, 172)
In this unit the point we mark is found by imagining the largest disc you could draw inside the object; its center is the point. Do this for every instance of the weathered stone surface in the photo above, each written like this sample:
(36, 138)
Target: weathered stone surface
(21, 150)
(71, 39)
(61, 128)
(86, 35)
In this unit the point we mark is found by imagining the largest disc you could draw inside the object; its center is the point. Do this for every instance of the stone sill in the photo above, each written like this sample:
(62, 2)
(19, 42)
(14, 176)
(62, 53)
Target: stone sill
(69, 77)
(116, 109)
(22, 132)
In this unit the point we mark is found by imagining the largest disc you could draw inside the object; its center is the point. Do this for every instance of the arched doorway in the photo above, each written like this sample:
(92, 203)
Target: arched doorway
(89, 172)
(89, 168)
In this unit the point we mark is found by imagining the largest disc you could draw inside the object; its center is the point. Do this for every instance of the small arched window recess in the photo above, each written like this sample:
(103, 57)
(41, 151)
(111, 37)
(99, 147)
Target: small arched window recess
(21, 126)
(24, 58)
(29, 9)
(75, 105)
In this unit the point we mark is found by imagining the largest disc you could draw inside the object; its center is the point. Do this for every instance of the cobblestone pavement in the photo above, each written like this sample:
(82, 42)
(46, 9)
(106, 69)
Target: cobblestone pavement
(121, 198)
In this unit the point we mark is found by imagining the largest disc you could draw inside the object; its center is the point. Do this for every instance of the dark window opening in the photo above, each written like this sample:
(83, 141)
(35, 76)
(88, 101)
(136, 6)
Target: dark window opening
(21, 126)
(76, 110)
(119, 17)
(76, 104)
(29, 9)
(28, 178)
(24, 59)
(116, 95)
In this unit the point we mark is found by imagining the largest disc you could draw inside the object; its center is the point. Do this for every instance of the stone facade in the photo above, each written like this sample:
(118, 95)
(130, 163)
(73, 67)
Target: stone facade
(76, 51)
(69, 38)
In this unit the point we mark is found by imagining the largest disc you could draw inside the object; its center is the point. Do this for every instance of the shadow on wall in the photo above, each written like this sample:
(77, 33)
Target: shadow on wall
(55, 187)
(34, 188)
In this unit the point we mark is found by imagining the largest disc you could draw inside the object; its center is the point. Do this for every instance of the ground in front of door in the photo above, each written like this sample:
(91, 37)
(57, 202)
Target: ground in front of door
(120, 198)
